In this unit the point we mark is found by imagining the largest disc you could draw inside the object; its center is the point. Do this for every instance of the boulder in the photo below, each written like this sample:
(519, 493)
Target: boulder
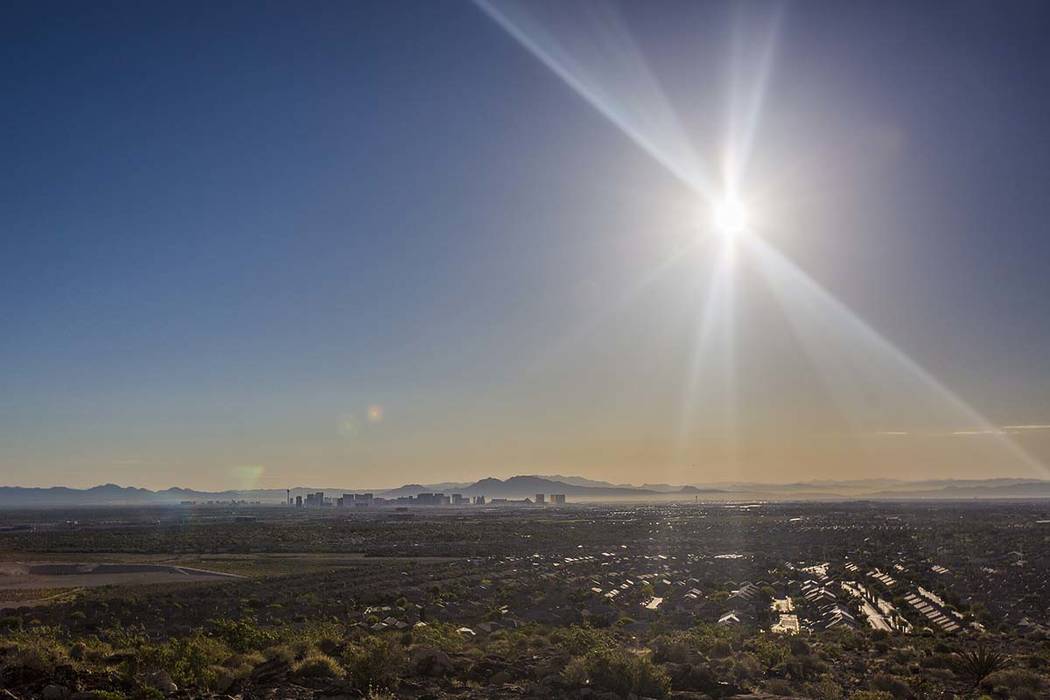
(431, 662)
(270, 672)
(54, 692)
(160, 680)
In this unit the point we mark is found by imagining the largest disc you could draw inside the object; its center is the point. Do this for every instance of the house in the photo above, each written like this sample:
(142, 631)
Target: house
(730, 618)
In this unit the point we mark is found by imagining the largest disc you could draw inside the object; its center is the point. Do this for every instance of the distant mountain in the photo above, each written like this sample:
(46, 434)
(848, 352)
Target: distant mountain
(525, 486)
(582, 481)
(111, 494)
(688, 489)
(529, 486)
(962, 490)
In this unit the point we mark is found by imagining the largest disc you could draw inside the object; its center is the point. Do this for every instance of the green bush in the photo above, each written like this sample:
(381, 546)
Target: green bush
(770, 651)
(243, 636)
(318, 666)
(676, 647)
(779, 686)
(1012, 680)
(374, 662)
(190, 661)
(618, 671)
(440, 635)
(889, 684)
(578, 641)
(39, 648)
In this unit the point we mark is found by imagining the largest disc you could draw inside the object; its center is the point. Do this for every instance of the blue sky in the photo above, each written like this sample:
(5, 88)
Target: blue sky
(229, 231)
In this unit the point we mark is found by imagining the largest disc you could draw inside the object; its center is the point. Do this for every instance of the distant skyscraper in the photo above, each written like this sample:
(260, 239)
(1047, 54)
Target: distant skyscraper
(558, 499)
(540, 499)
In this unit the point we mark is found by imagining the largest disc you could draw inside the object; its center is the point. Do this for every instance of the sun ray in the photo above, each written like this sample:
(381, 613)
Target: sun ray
(875, 383)
(599, 60)
(602, 64)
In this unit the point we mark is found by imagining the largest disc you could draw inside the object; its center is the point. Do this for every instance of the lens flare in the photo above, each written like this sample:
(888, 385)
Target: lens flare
(730, 216)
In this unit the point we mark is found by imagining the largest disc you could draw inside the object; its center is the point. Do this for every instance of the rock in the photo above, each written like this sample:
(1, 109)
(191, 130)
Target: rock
(54, 692)
(22, 675)
(431, 662)
(160, 680)
(120, 657)
(270, 672)
(331, 648)
(499, 678)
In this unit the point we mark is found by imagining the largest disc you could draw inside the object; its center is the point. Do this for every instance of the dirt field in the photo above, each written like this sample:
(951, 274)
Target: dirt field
(51, 575)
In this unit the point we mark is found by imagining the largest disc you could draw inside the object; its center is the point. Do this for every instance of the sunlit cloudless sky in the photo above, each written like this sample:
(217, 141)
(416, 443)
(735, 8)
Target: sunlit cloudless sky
(366, 244)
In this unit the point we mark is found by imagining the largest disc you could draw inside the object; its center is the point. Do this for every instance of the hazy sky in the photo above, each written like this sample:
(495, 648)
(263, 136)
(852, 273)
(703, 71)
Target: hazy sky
(364, 244)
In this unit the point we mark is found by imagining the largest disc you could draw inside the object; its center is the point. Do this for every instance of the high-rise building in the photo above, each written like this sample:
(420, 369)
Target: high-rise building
(298, 501)
(558, 499)
(479, 500)
(540, 499)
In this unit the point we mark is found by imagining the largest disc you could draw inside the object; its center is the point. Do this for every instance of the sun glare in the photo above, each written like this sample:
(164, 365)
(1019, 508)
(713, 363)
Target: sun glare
(730, 217)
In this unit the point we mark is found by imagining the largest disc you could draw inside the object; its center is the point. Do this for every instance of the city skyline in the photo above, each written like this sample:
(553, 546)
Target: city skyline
(378, 244)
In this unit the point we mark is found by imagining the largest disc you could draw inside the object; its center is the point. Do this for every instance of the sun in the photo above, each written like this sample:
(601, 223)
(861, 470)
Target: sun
(730, 217)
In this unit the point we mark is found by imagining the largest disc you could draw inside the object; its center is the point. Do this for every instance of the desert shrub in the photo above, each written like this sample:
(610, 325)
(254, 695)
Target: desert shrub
(804, 668)
(318, 666)
(190, 661)
(39, 648)
(824, 689)
(243, 636)
(440, 635)
(505, 642)
(618, 671)
(677, 647)
(770, 651)
(1009, 682)
(720, 649)
(892, 685)
(578, 641)
(374, 662)
(741, 668)
(779, 686)
(221, 678)
(239, 666)
(282, 652)
(870, 695)
(705, 637)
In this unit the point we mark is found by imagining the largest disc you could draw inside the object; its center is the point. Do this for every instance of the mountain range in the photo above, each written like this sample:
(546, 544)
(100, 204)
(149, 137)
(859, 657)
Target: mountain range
(576, 488)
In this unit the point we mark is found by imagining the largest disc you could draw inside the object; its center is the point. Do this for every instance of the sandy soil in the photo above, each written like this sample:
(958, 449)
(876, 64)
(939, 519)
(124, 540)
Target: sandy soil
(51, 575)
